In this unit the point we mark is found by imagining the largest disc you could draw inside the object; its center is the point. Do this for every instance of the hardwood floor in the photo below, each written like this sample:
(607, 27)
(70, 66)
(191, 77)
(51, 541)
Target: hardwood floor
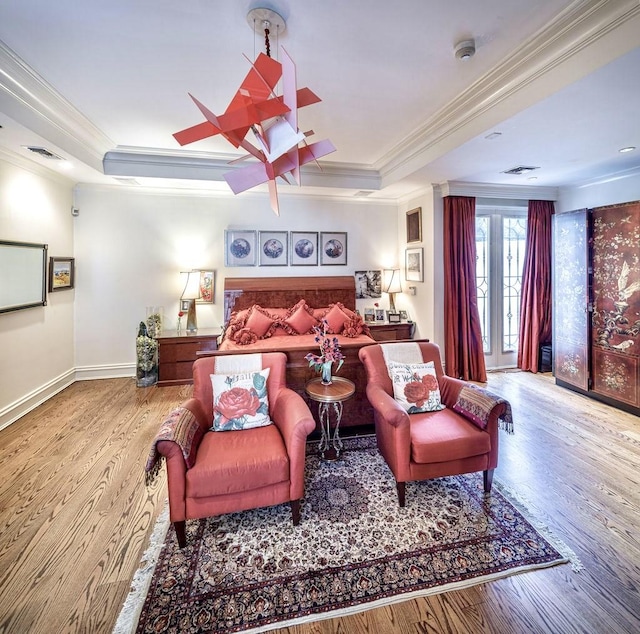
(75, 515)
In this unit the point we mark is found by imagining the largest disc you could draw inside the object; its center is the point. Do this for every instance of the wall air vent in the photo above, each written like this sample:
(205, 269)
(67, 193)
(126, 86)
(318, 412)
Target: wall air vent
(521, 169)
(362, 193)
(126, 180)
(44, 153)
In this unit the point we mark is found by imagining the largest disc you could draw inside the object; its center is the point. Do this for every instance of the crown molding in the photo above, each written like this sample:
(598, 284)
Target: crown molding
(31, 101)
(489, 190)
(35, 168)
(607, 29)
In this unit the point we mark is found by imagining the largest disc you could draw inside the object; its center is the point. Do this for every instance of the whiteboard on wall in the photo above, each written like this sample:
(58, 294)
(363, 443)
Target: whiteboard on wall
(22, 275)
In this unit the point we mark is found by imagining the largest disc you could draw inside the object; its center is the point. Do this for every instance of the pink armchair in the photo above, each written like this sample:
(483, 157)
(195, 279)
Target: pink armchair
(241, 469)
(428, 445)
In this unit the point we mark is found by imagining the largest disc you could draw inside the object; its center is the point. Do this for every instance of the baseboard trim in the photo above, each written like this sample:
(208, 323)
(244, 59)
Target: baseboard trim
(30, 401)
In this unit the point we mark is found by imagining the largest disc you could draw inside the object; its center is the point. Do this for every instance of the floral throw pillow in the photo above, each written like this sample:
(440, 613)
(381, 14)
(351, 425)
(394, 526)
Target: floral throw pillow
(415, 386)
(240, 401)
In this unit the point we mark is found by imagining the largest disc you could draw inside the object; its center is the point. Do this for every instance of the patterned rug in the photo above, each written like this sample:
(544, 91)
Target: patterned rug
(354, 549)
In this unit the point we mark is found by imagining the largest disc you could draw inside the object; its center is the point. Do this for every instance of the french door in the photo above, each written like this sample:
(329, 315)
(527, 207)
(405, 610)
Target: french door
(500, 244)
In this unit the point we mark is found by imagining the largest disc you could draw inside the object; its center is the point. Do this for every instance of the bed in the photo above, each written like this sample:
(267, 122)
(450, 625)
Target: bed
(284, 297)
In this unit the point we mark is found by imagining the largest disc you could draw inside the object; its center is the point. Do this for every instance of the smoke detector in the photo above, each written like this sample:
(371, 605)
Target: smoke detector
(465, 49)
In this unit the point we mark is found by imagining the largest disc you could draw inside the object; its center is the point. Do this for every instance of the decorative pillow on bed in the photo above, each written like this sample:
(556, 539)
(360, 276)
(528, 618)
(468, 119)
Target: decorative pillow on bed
(240, 401)
(300, 319)
(336, 318)
(415, 386)
(260, 322)
(244, 337)
(354, 327)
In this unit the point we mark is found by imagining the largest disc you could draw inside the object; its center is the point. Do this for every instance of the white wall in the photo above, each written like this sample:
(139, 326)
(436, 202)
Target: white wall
(132, 243)
(36, 344)
(611, 192)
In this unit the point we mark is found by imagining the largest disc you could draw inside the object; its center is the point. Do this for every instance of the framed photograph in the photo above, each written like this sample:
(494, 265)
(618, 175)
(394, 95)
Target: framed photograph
(184, 305)
(240, 248)
(272, 248)
(369, 315)
(414, 225)
(404, 315)
(379, 314)
(26, 286)
(413, 271)
(333, 248)
(368, 284)
(206, 287)
(304, 248)
(393, 318)
(61, 274)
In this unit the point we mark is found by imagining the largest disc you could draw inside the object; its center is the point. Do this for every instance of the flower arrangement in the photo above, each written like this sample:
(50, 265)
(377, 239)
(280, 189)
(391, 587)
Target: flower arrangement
(329, 352)
(180, 316)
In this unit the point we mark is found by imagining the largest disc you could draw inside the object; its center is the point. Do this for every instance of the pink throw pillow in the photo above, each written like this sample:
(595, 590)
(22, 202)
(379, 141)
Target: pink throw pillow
(301, 320)
(336, 319)
(260, 322)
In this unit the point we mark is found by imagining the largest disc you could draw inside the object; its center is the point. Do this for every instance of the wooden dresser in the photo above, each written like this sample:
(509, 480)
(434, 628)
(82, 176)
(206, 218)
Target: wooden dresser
(177, 351)
(391, 332)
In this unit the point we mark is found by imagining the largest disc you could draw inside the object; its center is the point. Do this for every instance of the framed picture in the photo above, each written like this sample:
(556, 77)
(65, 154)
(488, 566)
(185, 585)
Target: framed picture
(240, 248)
(26, 285)
(272, 248)
(333, 248)
(404, 316)
(304, 248)
(61, 274)
(184, 305)
(393, 318)
(414, 225)
(369, 315)
(206, 287)
(413, 271)
(368, 284)
(379, 314)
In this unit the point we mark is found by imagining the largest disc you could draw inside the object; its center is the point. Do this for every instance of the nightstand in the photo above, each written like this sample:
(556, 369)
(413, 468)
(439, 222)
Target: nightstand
(384, 331)
(178, 350)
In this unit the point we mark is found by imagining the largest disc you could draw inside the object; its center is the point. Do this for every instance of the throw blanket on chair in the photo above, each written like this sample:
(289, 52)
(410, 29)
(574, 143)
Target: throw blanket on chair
(408, 352)
(237, 363)
(182, 428)
(476, 403)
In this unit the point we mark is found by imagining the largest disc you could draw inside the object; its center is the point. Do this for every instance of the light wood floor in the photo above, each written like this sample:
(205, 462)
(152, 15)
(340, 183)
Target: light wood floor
(75, 515)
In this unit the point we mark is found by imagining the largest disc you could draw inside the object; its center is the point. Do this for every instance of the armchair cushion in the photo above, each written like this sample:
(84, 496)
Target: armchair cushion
(236, 462)
(240, 401)
(415, 386)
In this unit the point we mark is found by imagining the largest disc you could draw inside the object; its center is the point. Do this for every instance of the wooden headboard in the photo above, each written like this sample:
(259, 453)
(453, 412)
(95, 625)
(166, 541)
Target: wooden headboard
(284, 292)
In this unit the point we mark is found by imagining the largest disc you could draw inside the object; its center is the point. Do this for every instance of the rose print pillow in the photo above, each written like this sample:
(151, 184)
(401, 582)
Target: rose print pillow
(240, 400)
(415, 386)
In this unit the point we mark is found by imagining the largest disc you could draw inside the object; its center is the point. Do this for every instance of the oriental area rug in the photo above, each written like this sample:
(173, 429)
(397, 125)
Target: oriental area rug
(354, 549)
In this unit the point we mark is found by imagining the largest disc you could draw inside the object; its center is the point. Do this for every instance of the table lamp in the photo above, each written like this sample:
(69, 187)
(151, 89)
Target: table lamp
(190, 293)
(391, 285)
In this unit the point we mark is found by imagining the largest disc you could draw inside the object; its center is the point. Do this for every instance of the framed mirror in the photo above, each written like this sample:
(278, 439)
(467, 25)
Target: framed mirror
(24, 273)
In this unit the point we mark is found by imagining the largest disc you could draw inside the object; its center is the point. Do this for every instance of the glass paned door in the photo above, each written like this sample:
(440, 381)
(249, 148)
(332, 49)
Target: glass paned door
(500, 247)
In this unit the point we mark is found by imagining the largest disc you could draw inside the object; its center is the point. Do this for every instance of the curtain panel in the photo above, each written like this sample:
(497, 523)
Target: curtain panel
(535, 298)
(464, 356)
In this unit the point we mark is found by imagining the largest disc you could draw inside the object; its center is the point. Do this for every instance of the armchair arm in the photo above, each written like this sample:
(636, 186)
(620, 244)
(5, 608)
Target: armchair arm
(293, 418)
(386, 407)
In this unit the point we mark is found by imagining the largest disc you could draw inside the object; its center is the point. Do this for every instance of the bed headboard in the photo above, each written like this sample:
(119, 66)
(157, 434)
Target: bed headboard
(284, 292)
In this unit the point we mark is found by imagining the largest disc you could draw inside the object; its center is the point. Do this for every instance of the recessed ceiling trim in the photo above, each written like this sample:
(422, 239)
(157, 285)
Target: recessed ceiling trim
(492, 190)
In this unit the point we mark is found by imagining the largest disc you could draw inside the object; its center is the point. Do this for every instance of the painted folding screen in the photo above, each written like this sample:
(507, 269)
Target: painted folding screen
(615, 333)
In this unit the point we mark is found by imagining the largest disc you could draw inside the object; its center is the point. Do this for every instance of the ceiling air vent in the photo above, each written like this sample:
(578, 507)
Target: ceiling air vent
(44, 153)
(521, 169)
(362, 194)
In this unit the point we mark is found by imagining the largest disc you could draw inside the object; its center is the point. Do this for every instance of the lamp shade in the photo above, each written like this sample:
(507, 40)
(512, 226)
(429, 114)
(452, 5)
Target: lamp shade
(391, 281)
(192, 285)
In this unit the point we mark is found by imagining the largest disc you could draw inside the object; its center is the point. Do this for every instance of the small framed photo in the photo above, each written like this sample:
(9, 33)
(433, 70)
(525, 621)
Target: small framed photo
(304, 248)
(369, 315)
(404, 315)
(206, 287)
(61, 274)
(413, 265)
(393, 318)
(240, 248)
(273, 248)
(379, 314)
(414, 225)
(333, 248)
(184, 305)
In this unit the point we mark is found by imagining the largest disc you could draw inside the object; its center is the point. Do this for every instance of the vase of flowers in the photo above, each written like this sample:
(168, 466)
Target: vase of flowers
(329, 353)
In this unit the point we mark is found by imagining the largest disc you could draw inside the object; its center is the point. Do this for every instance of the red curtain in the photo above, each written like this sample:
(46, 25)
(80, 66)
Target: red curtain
(464, 357)
(535, 299)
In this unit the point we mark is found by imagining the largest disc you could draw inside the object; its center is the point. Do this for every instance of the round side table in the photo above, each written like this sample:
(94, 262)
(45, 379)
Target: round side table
(330, 399)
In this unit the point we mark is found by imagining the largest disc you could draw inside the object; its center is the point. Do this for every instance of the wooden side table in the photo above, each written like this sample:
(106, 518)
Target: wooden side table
(329, 399)
(391, 332)
(178, 350)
